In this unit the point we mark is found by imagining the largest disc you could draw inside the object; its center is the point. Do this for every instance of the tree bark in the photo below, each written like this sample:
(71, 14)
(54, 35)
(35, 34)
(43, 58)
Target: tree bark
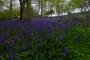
(21, 12)
(10, 9)
(41, 7)
(28, 10)
(22, 5)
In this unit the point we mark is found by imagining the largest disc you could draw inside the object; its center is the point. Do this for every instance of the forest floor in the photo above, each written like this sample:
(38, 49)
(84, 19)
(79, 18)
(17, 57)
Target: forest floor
(46, 38)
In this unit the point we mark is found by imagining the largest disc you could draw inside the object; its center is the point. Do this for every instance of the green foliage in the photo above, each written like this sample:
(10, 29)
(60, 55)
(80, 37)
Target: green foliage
(49, 12)
(29, 13)
(44, 51)
(78, 40)
(79, 4)
(6, 14)
(15, 14)
(29, 47)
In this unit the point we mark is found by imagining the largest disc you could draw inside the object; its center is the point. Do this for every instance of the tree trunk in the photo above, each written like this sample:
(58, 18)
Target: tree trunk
(28, 10)
(58, 8)
(21, 12)
(22, 4)
(88, 5)
(62, 7)
(41, 7)
(10, 9)
(38, 6)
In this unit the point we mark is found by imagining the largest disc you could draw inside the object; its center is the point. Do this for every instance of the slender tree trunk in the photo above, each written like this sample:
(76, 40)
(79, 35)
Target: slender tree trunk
(58, 8)
(0, 10)
(38, 6)
(21, 12)
(41, 1)
(88, 5)
(62, 7)
(10, 9)
(21, 9)
(81, 7)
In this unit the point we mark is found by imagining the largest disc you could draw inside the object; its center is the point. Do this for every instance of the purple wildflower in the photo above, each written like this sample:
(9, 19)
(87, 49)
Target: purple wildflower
(66, 51)
(2, 38)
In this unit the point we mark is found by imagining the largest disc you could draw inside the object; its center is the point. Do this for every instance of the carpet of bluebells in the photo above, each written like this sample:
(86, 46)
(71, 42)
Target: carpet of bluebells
(45, 39)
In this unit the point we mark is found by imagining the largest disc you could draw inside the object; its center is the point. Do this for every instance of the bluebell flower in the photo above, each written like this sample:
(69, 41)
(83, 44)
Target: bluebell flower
(63, 36)
(50, 30)
(40, 46)
(61, 25)
(17, 37)
(22, 49)
(66, 51)
(2, 38)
